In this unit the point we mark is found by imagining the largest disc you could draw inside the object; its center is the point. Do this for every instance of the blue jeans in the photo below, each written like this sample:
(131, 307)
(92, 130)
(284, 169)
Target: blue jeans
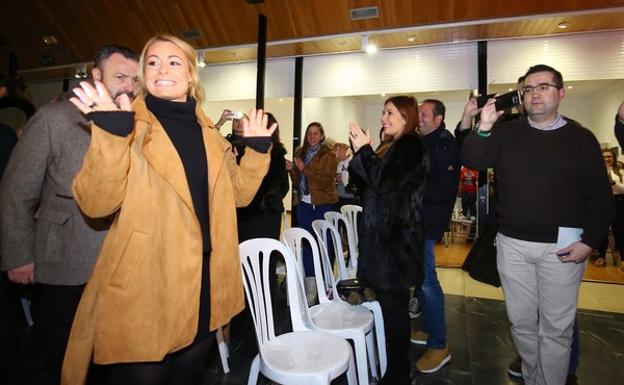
(432, 299)
(306, 214)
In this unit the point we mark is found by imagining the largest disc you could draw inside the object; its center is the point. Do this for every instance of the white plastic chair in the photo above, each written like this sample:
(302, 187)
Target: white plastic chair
(301, 357)
(224, 351)
(335, 218)
(336, 316)
(323, 229)
(351, 212)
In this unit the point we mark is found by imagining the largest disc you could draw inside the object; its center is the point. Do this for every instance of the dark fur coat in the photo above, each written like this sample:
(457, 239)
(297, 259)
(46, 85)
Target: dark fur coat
(391, 226)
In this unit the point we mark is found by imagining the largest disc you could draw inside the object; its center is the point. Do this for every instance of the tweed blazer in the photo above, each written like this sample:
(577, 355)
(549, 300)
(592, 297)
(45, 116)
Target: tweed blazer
(39, 220)
(142, 301)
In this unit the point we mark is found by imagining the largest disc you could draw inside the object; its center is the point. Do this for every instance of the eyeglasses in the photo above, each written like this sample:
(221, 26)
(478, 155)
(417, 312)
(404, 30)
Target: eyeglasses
(542, 87)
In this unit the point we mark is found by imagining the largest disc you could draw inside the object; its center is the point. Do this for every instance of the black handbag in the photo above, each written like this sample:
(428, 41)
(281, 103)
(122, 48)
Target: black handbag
(481, 261)
(354, 291)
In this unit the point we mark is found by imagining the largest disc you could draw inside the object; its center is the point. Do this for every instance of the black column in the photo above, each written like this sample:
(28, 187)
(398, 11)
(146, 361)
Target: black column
(262, 26)
(483, 84)
(298, 103)
(482, 67)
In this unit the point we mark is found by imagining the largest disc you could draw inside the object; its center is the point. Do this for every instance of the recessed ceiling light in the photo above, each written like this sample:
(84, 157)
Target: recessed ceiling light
(509, 89)
(371, 48)
(570, 87)
(411, 38)
(365, 45)
(563, 25)
(49, 40)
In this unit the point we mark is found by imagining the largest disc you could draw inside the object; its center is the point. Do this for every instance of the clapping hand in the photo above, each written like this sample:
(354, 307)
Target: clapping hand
(358, 137)
(256, 126)
(90, 99)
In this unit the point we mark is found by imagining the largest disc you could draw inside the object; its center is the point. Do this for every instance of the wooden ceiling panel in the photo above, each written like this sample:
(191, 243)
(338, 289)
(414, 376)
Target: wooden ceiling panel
(82, 26)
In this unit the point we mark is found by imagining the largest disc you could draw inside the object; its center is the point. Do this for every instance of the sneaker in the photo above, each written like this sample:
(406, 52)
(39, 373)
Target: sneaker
(414, 309)
(419, 337)
(572, 380)
(433, 360)
(515, 367)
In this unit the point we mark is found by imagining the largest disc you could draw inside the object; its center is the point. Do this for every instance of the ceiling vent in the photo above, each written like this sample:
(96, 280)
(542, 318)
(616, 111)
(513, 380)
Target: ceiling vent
(191, 34)
(364, 13)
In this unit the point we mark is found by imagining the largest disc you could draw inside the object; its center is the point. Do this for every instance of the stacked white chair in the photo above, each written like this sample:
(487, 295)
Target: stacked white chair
(324, 229)
(301, 357)
(352, 212)
(350, 270)
(336, 316)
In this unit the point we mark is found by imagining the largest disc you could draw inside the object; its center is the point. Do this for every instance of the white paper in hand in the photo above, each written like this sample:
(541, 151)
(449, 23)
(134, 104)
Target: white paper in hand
(567, 236)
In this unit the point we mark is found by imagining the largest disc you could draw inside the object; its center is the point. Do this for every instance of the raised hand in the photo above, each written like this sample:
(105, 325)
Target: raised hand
(489, 115)
(256, 126)
(89, 99)
(358, 137)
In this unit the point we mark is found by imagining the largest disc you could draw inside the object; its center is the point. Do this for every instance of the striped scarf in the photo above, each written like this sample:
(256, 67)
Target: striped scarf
(303, 181)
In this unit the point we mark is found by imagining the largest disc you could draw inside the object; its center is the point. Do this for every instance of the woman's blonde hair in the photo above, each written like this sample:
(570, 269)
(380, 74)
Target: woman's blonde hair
(195, 88)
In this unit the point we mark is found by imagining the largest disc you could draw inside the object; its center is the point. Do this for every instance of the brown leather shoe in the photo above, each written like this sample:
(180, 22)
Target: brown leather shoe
(419, 337)
(433, 360)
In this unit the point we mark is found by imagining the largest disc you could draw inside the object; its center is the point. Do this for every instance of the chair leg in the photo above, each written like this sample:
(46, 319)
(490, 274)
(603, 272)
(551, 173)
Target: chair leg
(351, 378)
(380, 333)
(223, 350)
(254, 370)
(372, 353)
(359, 343)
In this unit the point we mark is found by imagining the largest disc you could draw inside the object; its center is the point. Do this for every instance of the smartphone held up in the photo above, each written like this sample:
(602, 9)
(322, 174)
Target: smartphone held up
(503, 101)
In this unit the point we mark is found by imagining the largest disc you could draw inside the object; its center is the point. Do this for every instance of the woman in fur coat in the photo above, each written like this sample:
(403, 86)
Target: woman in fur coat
(391, 233)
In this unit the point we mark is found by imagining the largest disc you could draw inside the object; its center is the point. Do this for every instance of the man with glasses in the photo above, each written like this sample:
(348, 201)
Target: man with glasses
(44, 238)
(551, 183)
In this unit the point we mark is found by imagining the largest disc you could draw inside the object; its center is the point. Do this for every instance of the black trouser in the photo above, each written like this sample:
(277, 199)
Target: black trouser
(53, 311)
(617, 228)
(396, 325)
(184, 367)
(7, 354)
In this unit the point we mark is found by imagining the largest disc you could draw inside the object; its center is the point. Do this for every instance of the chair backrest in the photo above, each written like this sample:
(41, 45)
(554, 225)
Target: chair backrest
(336, 218)
(351, 212)
(294, 239)
(327, 234)
(254, 257)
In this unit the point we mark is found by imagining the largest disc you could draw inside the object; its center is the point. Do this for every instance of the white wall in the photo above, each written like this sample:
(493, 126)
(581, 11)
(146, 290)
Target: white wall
(334, 114)
(392, 71)
(604, 108)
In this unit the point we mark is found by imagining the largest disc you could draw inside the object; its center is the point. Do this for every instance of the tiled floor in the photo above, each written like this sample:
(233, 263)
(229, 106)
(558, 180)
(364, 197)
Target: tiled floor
(479, 339)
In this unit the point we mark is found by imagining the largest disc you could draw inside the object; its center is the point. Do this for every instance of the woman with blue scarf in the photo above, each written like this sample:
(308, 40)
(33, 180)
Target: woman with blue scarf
(314, 176)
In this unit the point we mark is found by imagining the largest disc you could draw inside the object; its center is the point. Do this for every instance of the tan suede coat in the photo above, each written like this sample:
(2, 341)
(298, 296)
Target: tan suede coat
(142, 300)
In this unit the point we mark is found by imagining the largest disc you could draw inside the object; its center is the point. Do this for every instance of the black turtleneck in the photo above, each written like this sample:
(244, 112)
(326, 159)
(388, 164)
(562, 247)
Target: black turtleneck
(180, 122)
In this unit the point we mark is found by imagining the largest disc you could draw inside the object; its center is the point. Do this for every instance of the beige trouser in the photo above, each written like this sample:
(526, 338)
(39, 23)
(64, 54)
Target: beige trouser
(541, 293)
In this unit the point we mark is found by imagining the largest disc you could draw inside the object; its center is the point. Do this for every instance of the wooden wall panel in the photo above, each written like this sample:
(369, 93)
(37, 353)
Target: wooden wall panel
(81, 26)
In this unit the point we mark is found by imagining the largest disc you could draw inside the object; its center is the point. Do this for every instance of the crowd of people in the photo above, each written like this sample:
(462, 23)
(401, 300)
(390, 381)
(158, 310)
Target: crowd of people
(124, 205)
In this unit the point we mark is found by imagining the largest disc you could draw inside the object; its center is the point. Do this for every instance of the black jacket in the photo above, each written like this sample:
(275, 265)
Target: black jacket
(274, 187)
(442, 181)
(391, 226)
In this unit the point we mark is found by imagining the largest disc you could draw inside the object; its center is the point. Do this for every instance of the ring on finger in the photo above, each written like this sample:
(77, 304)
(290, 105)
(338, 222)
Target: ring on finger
(92, 105)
